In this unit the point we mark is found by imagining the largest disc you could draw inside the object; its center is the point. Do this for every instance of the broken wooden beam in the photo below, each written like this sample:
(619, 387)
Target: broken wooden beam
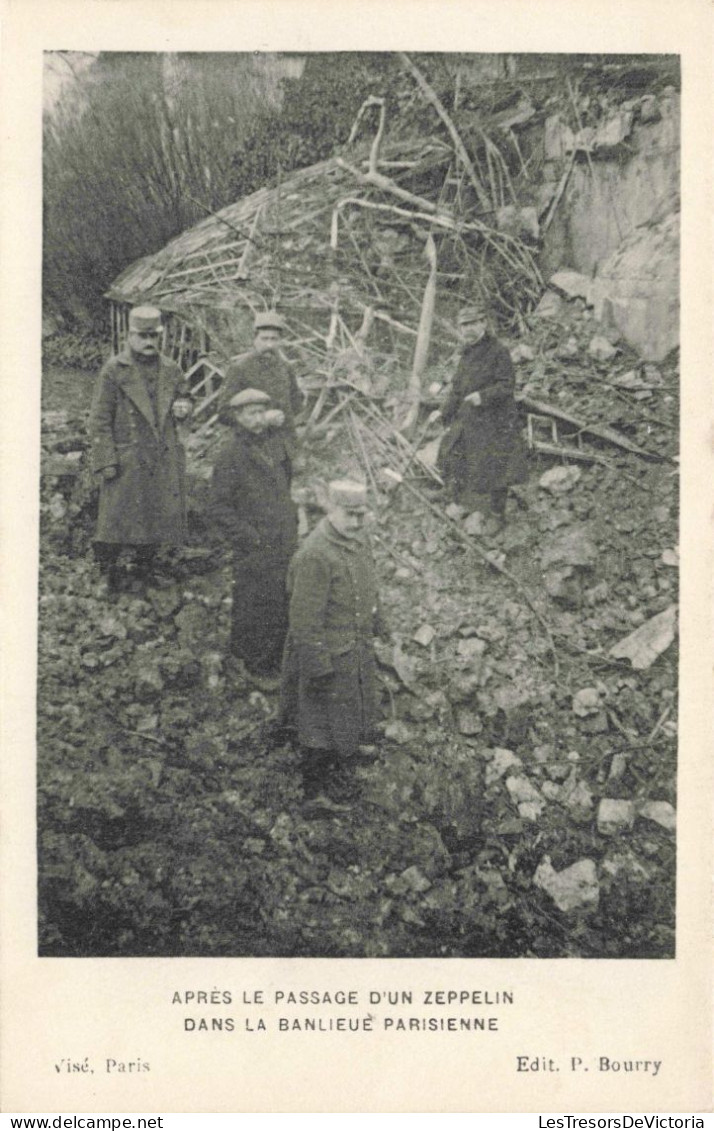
(608, 434)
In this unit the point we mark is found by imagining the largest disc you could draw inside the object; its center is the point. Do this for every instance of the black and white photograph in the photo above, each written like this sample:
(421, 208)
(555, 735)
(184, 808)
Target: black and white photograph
(359, 505)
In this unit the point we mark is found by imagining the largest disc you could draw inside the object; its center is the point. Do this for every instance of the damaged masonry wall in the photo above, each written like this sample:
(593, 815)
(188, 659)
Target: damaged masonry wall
(601, 199)
(618, 221)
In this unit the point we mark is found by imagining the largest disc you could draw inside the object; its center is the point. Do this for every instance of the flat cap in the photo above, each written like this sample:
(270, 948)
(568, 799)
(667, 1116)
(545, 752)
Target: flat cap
(143, 318)
(269, 320)
(476, 312)
(249, 396)
(347, 493)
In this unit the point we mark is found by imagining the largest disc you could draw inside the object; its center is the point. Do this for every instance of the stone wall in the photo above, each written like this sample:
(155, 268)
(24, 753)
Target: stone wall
(618, 219)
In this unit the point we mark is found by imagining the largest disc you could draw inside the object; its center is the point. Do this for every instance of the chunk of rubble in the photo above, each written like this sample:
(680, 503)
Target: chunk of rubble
(464, 685)
(558, 771)
(661, 812)
(501, 762)
(57, 507)
(468, 722)
(549, 306)
(471, 648)
(522, 352)
(578, 799)
(571, 546)
(550, 790)
(627, 865)
(558, 583)
(111, 626)
(473, 523)
(597, 594)
(526, 796)
(414, 879)
(518, 221)
(601, 349)
(614, 131)
(424, 635)
(574, 889)
(398, 732)
(558, 480)
(543, 753)
(650, 640)
(455, 511)
(649, 110)
(586, 702)
(617, 767)
(148, 683)
(571, 283)
(615, 815)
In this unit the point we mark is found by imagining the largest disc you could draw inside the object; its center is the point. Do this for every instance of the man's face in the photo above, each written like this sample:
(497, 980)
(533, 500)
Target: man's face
(252, 417)
(473, 331)
(145, 343)
(266, 339)
(347, 522)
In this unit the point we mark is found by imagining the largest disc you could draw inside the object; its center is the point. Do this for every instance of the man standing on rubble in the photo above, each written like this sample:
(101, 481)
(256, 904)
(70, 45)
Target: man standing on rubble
(482, 452)
(136, 452)
(263, 367)
(328, 688)
(253, 513)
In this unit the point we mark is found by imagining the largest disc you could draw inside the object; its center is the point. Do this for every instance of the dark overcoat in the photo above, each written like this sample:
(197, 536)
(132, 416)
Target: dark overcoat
(146, 501)
(329, 676)
(483, 450)
(268, 371)
(252, 512)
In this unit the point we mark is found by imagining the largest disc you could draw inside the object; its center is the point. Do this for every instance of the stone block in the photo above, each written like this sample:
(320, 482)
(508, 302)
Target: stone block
(661, 812)
(614, 816)
(574, 889)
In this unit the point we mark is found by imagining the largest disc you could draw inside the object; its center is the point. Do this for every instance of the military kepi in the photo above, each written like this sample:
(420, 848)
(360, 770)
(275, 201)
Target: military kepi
(249, 396)
(270, 320)
(143, 318)
(347, 493)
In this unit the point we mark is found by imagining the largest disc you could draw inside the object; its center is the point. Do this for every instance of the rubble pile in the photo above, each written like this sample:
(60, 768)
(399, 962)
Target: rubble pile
(524, 799)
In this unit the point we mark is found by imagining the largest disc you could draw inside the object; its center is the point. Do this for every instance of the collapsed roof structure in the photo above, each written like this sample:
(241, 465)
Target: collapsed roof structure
(339, 246)
(369, 254)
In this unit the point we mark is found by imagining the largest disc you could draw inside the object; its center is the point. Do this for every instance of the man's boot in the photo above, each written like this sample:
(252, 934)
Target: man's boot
(144, 562)
(106, 555)
(317, 768)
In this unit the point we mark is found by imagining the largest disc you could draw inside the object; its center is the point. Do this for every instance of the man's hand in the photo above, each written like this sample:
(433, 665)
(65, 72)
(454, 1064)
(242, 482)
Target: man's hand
(473, 398)
(275, 417)
(109, 473)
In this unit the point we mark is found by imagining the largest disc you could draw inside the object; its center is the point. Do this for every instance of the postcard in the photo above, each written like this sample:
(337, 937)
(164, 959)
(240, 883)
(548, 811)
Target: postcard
(357, 557)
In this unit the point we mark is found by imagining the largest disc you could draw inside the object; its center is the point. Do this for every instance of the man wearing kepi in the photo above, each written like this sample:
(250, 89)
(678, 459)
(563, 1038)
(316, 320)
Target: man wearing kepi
(136, 451)
(329, 680)
(263, 367)
(253, 513)
(483, 451)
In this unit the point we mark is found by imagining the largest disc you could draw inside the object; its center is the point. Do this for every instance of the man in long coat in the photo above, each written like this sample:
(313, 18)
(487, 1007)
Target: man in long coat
(483, 452)
(328, 688)
(263, 367)
(136, 450)
(253, 513)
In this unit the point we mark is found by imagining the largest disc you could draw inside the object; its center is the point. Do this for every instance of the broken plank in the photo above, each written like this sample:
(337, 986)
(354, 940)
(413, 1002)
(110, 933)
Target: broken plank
(603, 433)
(567, 453)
